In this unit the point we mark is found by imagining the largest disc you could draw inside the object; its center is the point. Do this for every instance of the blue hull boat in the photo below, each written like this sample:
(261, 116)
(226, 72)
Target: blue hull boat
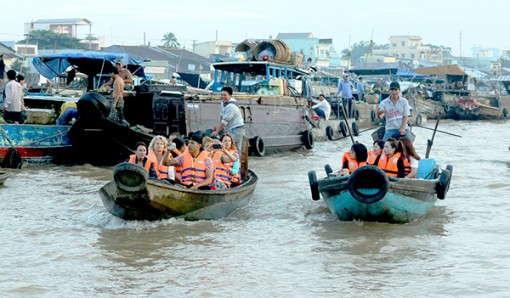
(369, 195)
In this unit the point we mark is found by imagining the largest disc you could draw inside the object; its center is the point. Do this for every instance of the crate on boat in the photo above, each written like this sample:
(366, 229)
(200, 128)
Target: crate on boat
(40, 116)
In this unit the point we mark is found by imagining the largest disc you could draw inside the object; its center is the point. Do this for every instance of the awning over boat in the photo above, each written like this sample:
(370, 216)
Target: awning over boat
(409, 73)
(451, 69)
(374, 72)
(90, 63)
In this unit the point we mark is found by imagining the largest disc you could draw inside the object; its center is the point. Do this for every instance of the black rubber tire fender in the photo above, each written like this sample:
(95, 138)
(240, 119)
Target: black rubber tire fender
(355, 129)
(328, 169)
(257, 146)
(329, 133)
(418, 120)
(355, 114)
(373, 115)
(371, 177)
(444, 184)
(343, 128)
(505, 112)
(314, 186)
(93, 105)
(130, 177)
(308, 139)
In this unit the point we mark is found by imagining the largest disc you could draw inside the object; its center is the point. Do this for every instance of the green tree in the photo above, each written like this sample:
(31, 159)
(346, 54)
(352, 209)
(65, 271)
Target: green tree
(19, 66)
(48, 40)
(359, 50)
(170, 41)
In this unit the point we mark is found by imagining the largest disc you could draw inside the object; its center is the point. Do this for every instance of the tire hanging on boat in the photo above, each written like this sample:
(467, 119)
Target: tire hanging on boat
(418, 120)
(314, 186)
(343, 129)
(93, 106)
(257, 146)
(505, 112)
(355, 114)
(130, 177)
(368, 184)
(328, 169)
(444, 184)
(329, 133)
(308, 139)
(373, 115)
(355, 129)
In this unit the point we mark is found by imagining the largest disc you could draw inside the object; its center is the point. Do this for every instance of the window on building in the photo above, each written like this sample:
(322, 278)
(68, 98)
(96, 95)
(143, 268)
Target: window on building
(394, 45)
(412, 56)
(403, 43)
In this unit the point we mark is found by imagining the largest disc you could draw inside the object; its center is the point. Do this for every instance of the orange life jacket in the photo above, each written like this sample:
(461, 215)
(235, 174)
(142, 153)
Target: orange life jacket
(221, 170)
(391, 167)
(193, 171)
(353, 164)
(383, 159)
(161, 170)
(147, 164)
(372, 157)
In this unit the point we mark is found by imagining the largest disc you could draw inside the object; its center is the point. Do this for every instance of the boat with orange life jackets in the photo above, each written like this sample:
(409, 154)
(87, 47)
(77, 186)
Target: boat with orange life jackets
(133, 196)
(370, 194)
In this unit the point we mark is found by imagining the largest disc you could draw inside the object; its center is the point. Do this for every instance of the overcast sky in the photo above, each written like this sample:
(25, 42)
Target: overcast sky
(439, 22)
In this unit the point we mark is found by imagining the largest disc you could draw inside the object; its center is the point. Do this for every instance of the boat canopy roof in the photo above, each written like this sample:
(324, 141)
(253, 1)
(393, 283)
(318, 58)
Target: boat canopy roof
(90, 63)
(451, 69)
(259, 68)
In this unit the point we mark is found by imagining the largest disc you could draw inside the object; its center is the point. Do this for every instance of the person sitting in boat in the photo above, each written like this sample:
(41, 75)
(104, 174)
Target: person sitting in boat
(376, 152)
(68, 112)
(180, 148)
(392, 161)
(354, 158)
(157, 148)
(197, 167)
(322, 107)
(140, 158)
(230, 159)
(410, 158)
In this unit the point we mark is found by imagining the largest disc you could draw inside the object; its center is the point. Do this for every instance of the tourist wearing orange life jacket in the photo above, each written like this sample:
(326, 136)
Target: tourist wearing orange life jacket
(353, 159)
(140, 158)
(157, 149)
(375, 152)
(394, 153)
(197, 167)
(410, 158)
(231, 157)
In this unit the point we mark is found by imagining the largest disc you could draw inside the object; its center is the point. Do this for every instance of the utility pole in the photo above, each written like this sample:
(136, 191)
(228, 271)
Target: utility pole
(460, 43)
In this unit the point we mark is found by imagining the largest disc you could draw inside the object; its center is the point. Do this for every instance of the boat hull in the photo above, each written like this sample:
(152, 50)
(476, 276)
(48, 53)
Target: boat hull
(368, 195)
(160, 200)
(399, 205)
(36, 143)
(3, 177)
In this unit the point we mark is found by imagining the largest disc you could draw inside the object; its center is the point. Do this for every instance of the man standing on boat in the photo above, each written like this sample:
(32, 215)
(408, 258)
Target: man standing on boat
(396, 110)
(117, 111)
(13, 98)
(345, 87)
(360, 89)
(124, 74)
(231, 119)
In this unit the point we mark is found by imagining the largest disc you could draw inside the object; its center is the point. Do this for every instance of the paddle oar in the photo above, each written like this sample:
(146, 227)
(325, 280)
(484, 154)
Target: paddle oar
(347, 123)
(431, 141)
(441, 131)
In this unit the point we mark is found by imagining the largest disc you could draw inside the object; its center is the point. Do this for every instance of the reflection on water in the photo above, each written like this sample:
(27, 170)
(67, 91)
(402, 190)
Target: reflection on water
(281, 244)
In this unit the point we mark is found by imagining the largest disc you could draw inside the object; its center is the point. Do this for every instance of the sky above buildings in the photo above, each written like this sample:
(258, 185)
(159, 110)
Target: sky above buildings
(456, 24)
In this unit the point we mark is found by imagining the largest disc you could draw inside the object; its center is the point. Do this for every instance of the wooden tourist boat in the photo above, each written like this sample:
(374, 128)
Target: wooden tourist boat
(132, 196)
(369, 195)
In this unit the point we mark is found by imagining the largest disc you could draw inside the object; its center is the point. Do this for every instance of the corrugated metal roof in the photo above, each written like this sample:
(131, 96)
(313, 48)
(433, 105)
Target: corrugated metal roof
(503, 78)
(452, 69)
(294, 35)
(63, 21)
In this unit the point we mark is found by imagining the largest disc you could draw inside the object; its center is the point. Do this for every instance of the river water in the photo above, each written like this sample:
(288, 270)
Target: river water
(58, 241)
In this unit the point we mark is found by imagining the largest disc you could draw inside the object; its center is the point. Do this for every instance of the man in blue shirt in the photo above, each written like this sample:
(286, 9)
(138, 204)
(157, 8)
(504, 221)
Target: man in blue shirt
(345, 87)
(360, 89)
